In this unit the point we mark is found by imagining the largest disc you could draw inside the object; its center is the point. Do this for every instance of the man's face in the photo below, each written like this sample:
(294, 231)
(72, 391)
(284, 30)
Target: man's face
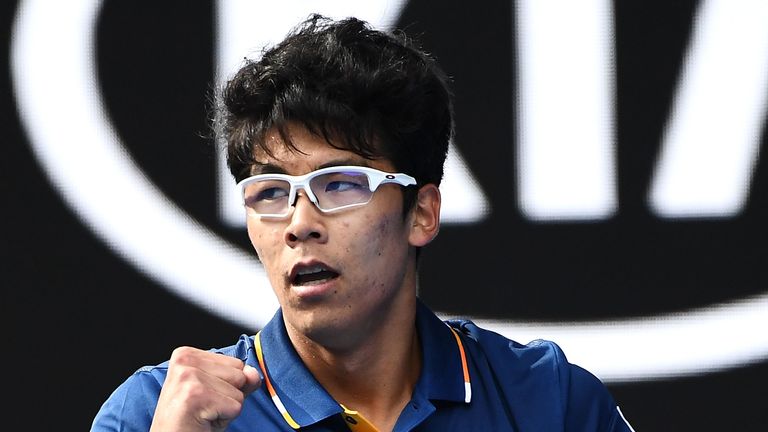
(337, 276)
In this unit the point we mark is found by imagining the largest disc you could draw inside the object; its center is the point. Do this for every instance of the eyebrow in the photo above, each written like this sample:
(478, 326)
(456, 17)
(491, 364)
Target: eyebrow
(270, 168)
(265, 168)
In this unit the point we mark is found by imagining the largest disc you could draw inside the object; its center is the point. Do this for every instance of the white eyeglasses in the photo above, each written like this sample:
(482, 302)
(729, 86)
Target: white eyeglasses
(330, 189)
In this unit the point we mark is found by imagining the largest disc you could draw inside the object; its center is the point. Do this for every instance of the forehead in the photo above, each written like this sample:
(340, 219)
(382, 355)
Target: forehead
(306, 152)
(298, 142)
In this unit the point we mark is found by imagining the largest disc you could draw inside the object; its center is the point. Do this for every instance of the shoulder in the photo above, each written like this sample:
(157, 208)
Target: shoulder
(539, 364)
(131, 405)
(536, 354)
(539, 376)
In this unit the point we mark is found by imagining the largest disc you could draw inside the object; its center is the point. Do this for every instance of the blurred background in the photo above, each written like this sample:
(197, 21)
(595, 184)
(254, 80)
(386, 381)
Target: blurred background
(604, 189)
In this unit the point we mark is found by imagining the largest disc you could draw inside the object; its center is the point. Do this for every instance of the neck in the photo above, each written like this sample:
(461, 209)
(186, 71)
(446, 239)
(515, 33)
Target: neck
(376, 376)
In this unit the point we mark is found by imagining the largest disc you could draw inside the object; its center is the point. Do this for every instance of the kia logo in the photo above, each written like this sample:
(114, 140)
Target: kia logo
(561, 189)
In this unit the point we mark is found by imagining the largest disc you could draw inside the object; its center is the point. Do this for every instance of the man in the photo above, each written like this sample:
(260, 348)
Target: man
(337, 137)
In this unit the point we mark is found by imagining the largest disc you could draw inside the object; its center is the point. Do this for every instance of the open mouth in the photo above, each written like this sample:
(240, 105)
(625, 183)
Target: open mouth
(306, 275)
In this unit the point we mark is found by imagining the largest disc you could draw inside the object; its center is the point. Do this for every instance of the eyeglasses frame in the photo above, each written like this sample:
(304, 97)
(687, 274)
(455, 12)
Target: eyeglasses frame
(376, 179)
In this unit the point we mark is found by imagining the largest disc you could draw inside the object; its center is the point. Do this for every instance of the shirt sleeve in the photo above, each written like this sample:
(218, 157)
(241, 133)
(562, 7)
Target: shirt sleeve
(590, 406)
(131, 406)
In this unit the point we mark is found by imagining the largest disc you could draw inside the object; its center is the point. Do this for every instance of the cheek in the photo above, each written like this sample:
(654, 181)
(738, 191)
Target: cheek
(382, 233)
(382, 250)
(261, 240)
(376, 237)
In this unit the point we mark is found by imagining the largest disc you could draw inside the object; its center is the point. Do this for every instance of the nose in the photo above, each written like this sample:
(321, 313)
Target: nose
(306, 222)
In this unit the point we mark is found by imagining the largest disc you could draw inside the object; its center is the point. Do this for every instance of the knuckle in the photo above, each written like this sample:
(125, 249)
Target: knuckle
(183, 355)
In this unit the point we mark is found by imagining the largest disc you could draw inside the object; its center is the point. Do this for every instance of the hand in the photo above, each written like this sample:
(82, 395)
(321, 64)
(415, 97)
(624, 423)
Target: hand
(203, 391)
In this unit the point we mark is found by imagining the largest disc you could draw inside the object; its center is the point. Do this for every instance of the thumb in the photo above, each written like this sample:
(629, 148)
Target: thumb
(252, 379)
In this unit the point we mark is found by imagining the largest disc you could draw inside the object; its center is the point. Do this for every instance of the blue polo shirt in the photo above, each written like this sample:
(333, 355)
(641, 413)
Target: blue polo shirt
(472, 379)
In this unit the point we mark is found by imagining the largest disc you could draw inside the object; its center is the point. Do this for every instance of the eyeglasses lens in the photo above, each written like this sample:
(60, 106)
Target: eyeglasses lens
(340, 189)
(332, 190)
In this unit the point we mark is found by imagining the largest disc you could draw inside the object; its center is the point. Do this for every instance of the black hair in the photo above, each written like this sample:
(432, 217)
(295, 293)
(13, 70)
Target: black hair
(367, 91)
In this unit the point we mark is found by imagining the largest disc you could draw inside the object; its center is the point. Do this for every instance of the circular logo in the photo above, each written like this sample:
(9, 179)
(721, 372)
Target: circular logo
(66, 122)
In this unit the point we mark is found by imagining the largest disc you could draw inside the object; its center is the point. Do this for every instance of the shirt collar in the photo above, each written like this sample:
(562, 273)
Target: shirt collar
(307, 402)
(442, 374)
(304, 398)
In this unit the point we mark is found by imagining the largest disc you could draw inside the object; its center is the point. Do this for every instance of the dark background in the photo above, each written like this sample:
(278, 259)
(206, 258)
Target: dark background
(81, 319)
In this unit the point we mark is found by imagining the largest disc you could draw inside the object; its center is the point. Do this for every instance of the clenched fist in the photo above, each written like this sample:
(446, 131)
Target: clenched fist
(203, 391)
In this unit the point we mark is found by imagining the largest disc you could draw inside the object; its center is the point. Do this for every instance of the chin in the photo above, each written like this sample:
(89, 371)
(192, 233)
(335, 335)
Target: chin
(329, 329)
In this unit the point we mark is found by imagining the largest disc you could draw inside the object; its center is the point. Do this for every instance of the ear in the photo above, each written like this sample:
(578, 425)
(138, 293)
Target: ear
(425, 216)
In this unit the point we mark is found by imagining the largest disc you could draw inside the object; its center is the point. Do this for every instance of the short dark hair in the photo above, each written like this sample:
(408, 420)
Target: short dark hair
(367, 91)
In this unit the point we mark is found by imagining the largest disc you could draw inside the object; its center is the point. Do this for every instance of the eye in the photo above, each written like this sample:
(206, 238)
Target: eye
(266, 191)
(271, 193)
(344, 182)
(342, 186)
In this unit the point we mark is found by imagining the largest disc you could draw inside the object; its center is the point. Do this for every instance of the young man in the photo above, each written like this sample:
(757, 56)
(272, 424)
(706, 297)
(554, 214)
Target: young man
(337, 137)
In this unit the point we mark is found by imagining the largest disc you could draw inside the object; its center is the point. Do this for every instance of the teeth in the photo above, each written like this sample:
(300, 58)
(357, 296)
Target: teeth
(309, 270)
(312, 274)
